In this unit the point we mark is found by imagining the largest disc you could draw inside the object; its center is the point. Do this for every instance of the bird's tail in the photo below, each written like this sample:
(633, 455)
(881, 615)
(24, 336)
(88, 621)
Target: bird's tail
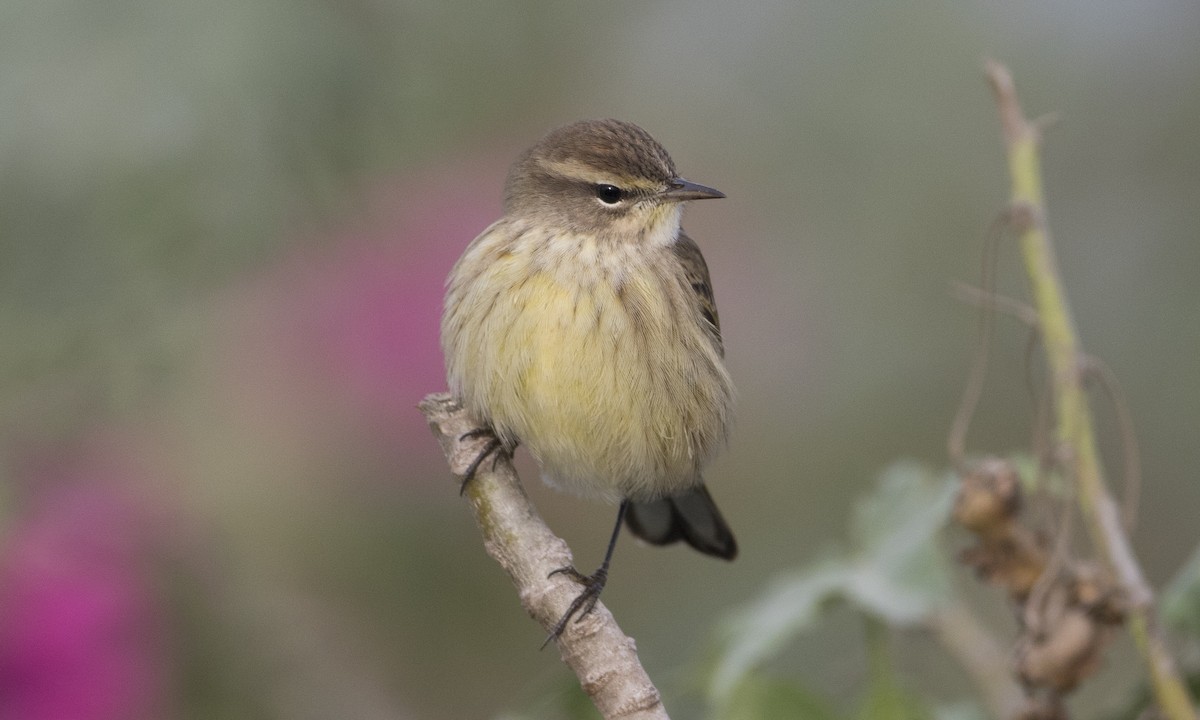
(691, 516)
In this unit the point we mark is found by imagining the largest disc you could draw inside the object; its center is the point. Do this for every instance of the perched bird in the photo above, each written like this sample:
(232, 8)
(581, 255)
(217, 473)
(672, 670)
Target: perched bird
(582, 324)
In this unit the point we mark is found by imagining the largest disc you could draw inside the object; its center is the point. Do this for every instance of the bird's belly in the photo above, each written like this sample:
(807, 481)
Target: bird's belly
(606, 389)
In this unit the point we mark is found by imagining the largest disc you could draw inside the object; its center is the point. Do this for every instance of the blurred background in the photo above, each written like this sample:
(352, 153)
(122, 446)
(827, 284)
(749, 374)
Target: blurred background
(224, 228)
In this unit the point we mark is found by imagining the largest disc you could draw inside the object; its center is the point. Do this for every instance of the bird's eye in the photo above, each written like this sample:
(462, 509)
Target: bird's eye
(609, 194)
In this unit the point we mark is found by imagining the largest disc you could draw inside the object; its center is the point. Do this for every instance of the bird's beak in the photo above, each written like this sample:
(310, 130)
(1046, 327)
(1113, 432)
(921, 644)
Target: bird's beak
(680, 190)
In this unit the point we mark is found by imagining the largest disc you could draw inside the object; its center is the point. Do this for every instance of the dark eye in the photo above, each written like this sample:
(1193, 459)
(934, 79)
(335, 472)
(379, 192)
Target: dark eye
(610, 194)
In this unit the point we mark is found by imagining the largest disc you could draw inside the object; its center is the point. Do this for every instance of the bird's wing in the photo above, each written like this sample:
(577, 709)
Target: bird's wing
(696, 271)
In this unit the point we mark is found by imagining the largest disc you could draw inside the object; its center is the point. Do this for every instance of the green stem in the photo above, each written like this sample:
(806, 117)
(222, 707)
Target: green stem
(1074, 434)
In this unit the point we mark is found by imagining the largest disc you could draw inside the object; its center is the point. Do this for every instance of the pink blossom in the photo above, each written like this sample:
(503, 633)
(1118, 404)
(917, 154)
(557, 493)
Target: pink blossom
(79, 630)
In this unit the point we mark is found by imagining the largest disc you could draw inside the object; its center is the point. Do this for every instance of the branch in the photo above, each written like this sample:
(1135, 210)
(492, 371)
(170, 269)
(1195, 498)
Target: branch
(600, 655)
(1074, 435)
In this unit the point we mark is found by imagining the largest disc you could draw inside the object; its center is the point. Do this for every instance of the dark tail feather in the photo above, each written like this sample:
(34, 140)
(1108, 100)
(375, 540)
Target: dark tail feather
(692, 517)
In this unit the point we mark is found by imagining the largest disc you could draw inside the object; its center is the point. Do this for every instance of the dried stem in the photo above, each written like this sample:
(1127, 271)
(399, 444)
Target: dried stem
(1074, 435)
(602, 657)
(956, 443)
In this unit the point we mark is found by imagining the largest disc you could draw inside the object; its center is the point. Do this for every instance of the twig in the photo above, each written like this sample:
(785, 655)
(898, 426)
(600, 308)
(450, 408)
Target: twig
(957, 438)
(602, 657)
(982, 298)
(1097, 368)
(1074, 434)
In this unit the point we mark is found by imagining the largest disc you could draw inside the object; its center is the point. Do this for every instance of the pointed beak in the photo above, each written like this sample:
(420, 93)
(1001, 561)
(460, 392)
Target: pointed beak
(680, 190)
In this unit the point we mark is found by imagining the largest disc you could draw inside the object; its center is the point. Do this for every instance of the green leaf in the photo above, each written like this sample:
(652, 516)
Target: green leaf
(886, 698)
(897, 573)
(961, 710)
(761, 698)
(900, 572)
(907, 507)
(1181, 599)
(758, 630)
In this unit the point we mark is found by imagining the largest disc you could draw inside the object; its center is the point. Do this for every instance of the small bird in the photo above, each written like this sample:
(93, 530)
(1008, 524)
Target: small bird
(582, 324)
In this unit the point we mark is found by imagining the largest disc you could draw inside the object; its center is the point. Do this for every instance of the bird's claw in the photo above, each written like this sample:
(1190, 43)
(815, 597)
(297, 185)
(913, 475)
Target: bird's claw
(584, 603)
(493, 447)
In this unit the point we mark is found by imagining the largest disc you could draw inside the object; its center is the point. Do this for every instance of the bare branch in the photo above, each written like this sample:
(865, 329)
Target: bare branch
(602, 657)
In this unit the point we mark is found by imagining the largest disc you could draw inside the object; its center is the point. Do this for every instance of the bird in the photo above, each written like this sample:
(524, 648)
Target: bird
(582, 324)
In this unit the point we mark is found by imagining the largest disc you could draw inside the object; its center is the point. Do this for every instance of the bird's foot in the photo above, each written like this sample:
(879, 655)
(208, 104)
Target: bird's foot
(493, 447)
(584, 603)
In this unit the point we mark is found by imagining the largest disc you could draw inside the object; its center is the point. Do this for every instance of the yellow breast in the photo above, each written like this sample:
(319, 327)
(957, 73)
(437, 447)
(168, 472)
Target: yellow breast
(607, 377)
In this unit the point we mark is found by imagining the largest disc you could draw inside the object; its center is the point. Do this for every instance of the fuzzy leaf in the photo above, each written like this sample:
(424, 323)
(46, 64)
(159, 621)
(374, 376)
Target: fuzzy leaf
(758, 630)
(900, 573)
(1181, 599)
(897, 573)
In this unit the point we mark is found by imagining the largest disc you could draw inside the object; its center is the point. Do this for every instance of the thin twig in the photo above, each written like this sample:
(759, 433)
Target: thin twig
(1002, 303)
(1096, 368)
(602, 657)
(957, 438)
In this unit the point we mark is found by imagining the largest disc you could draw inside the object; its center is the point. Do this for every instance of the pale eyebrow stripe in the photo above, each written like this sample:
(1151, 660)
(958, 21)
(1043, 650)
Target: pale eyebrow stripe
(575, 170)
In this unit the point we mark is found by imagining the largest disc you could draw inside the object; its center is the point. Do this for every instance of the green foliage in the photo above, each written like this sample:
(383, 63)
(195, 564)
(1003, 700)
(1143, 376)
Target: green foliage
(965, 710)
(886, 698)
(759, 630)
(895, 573)
(898, 571)
(1181, 599)
(764, 697)
(760, 696)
